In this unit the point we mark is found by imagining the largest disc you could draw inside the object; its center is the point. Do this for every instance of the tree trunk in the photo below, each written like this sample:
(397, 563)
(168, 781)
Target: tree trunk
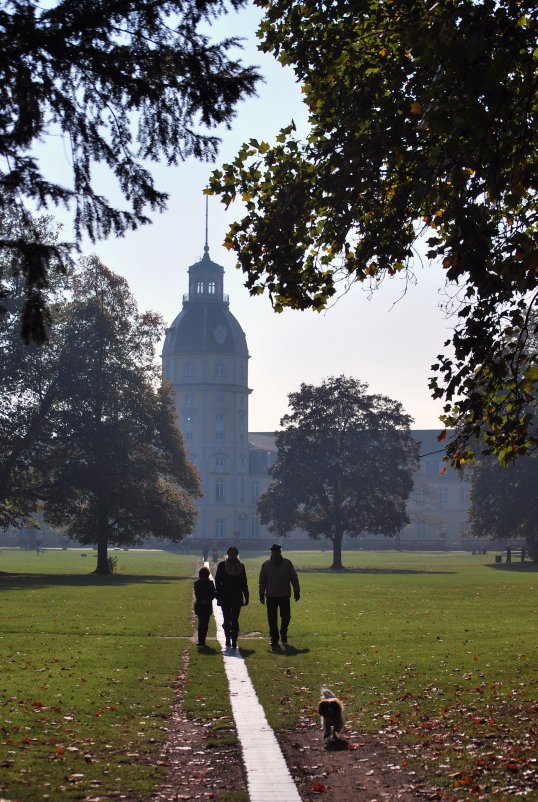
(102, 543)
(102, 556)
(337, 552)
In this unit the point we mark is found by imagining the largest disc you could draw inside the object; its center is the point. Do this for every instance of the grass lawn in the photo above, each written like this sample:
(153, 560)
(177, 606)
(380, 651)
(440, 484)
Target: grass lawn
(436, 651)
(87, 671)
(439, 651)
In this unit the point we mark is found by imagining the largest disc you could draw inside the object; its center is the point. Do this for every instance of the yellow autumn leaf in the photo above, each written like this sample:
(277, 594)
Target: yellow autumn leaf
(228, 244)
(416, 108)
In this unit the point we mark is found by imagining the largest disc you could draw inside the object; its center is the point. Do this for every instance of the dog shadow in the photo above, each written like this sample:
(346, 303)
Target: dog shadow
(336, 745)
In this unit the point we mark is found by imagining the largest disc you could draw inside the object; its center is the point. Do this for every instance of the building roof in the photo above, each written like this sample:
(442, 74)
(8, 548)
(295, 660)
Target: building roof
(264, 441)
(205, 327)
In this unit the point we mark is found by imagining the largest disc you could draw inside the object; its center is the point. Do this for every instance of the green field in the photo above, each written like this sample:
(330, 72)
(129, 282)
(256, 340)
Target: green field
(438, 651)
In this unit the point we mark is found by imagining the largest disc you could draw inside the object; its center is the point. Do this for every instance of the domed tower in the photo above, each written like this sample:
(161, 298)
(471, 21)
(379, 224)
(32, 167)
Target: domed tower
(205, 357)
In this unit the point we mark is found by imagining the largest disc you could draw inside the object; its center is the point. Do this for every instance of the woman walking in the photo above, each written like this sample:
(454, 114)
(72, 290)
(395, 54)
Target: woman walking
(232, 593)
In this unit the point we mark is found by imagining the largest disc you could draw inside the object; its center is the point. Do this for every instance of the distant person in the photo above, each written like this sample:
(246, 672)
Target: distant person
(215, 554)
(204, 593)
(205, 552)
(277, 578)
(232, 593)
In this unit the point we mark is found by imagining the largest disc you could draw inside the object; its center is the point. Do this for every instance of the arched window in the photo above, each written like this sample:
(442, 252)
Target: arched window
(200, 287)
(220, 463)
(242, 463)
(220, 370)
(219, 489)
(211, 288)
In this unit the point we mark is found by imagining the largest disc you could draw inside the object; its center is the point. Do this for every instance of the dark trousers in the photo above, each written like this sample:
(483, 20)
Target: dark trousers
(274, 604)
(203, 625)
(230, 625)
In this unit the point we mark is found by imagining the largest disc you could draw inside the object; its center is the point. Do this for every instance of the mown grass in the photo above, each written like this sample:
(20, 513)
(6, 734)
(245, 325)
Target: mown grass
(436, 651)
(439, 651)
(88, 671)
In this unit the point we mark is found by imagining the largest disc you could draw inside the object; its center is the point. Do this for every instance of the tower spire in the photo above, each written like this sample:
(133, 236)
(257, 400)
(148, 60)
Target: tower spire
(206, 246)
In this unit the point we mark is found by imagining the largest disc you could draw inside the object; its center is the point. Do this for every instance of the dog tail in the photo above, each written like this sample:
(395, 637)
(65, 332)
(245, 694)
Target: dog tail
(326, 693)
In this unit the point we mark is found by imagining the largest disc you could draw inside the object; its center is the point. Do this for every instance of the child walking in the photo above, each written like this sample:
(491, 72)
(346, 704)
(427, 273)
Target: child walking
(204, 593)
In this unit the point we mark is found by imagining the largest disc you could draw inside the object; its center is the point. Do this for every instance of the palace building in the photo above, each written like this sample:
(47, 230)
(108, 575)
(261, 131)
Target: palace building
(205, 356)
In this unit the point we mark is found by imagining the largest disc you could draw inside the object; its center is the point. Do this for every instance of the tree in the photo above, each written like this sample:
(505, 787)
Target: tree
(122, 82)
(503, 501)
(422, 127)
(30, 381)
(345, 465)
(117, 471)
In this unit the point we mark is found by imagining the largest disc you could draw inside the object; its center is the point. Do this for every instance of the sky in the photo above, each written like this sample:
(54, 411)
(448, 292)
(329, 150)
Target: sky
(388, 340)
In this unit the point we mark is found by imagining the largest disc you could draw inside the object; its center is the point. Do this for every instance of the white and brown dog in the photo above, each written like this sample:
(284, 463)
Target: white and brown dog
(331, 710)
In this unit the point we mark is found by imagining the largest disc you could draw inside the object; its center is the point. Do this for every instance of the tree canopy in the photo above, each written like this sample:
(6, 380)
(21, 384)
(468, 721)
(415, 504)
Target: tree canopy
(89, 434)
(29, 380)
(422, 127)
(118, 472)
(122, 83)
(504, 502)
(345, 465)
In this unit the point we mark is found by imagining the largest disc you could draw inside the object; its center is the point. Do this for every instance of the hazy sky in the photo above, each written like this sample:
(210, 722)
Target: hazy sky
(386, 340)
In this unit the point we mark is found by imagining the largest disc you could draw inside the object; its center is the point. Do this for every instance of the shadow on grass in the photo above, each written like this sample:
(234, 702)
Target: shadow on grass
(518, 567)
(18, 581)
(340, 571)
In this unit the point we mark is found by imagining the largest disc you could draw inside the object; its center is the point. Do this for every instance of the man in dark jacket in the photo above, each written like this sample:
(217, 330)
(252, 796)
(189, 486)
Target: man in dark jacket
(277, 577)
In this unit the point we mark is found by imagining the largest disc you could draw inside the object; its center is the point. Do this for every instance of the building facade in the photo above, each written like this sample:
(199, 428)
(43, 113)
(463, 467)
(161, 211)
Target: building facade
(205, 356)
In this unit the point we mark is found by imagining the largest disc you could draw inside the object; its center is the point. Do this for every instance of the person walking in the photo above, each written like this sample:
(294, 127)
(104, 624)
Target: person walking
(232, 593)
(204, 593)
(277, 577)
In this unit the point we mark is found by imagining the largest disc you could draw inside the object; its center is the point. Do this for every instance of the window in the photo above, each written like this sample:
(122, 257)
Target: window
(220, 527)
(255, 525)
(188, 427)
(189, 398)
(255, 490)
(421, 531)
(219, 398)
(211, 288)
(220, 462)
(242, 489)
(188, 370)
(200, 287)
(219, 490)
(443, 497)
(242, 463)
(220, 371)
(243, 527)
(464, 495)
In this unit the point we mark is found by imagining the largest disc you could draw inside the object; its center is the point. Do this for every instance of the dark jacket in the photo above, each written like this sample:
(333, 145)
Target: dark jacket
(277, 579)
(231, 588)
(204, 593)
